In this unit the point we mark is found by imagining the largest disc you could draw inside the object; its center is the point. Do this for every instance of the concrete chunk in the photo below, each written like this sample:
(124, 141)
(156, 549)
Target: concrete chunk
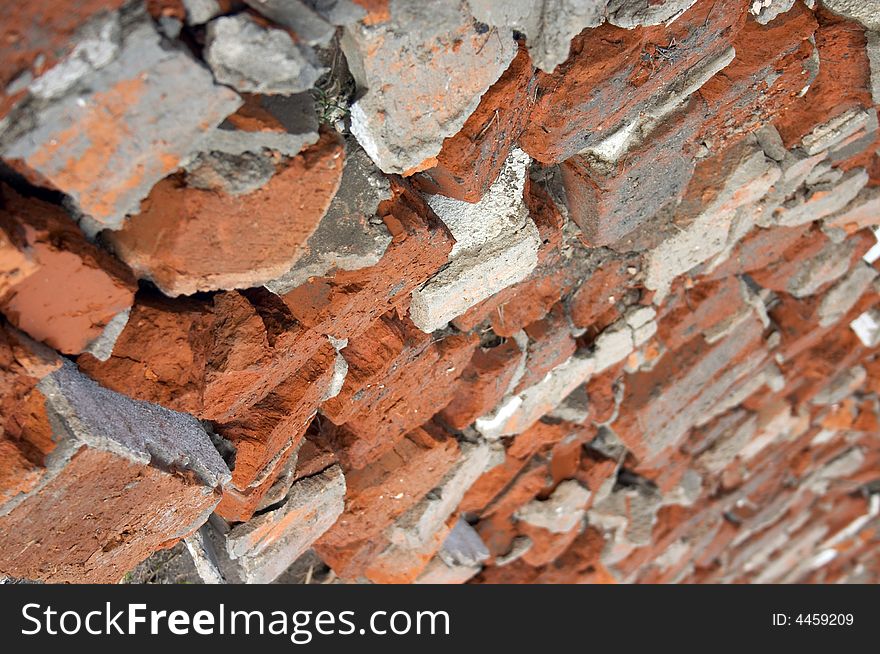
(136, 120)
(559, 513)
(255, 59)
(496, 246)
(259, 550)
(443, 64)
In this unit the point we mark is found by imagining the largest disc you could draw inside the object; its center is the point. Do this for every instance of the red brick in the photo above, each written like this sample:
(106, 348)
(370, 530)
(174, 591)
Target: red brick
(345, 304)
(212, 358)
(60, 288)
(471, 160)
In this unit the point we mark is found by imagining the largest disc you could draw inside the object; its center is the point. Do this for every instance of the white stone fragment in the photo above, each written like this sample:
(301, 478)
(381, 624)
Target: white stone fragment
(867, 327)
(496, 246)
(559, 513)
(834, 131)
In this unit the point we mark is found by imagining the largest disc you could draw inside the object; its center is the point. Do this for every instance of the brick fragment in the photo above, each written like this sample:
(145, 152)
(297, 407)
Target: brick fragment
(213, 358)
(44, 251)
(380, 493)
(106, 145)
(390, 121)
(125, 479)
(270, 432)
(346, 303)
(261, 549)
(471, 160)
(398, 379)
(616, 80)
(283, 214)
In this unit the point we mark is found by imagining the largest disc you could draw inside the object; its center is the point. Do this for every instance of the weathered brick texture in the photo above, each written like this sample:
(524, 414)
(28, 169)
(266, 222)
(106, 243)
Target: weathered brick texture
(441, 292)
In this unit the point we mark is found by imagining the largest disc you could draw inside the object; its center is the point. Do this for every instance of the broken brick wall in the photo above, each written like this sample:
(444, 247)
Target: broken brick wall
(439, 292)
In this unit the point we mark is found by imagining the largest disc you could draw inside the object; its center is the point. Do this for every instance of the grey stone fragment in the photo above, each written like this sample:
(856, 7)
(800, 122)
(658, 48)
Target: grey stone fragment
(261, 549)
(765, 11)
(771, 142)
(233, 174)
(255, 59)
(139, 431)
(237, 161)
(297, 16)
(443, 64)
(823, 173)
(204, 559)
(608, 444)
(463, 546)
(843, 295)
(874, 64)
(559, 513)
(338, 12)
(630, 14)
(866, 12)
(170, 26)
(549, 25)
(159, 102)
(349, 236)
(574, 408)
(296, 113)
(199, 12)
(102, 347)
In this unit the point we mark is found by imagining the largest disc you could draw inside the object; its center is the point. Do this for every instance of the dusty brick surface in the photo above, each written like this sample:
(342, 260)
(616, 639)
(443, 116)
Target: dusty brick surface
(449, 292)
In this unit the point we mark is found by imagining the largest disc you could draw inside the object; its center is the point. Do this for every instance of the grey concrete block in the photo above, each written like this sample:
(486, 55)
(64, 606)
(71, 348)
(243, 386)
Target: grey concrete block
(256, 59)
(443, 64)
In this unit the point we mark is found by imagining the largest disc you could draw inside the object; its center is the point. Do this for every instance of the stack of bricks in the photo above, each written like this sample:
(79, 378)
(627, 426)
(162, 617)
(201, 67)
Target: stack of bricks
(441, 292)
